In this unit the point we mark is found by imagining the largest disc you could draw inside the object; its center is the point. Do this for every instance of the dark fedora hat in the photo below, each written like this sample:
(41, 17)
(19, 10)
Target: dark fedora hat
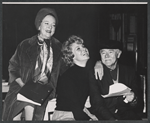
(110, 44)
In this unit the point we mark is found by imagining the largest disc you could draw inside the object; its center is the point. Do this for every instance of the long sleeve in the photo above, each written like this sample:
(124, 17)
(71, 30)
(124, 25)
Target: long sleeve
(130, 78)
(97, 101)
(67, 91)
(75, 105)
(14, 66)
(72, 92)
(134, 87)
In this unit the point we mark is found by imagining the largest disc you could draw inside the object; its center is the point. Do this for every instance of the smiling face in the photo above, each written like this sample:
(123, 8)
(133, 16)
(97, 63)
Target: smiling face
(109, 57)
(81, 54)
(47, 27)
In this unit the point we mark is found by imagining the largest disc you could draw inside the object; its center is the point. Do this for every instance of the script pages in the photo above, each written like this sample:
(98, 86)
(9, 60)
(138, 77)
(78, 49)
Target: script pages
(117, 89)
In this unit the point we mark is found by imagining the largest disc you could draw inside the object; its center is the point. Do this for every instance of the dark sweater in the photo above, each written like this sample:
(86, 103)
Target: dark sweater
(72, 92)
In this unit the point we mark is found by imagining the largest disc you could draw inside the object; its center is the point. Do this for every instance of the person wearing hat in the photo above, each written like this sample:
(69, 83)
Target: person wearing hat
(37, 58)
(40, 51)
(119, 107)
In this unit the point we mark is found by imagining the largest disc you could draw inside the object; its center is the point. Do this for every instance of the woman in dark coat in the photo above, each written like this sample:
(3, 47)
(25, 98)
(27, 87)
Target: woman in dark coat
(25, 63)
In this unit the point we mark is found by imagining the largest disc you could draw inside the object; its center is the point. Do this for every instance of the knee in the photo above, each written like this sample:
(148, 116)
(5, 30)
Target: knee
(29, 108)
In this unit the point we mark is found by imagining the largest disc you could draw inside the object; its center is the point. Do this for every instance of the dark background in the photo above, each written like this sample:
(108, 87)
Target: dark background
(18, 24)
(90, 21)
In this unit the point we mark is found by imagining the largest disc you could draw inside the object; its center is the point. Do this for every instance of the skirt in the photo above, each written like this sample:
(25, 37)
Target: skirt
(62, 116)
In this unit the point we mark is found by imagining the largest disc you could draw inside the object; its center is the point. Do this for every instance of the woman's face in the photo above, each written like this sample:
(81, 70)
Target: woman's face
(47, 27)
(80, 52)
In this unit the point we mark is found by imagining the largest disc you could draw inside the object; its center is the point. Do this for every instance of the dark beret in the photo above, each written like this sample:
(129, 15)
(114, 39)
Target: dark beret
(42, 13)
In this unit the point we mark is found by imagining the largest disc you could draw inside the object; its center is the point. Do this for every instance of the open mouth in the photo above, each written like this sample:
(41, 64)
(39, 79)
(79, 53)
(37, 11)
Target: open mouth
(85, 54)
(48, 31)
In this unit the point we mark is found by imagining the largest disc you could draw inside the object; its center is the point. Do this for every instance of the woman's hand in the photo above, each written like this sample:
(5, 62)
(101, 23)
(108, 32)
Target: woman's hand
(20, 82)
(98, 69)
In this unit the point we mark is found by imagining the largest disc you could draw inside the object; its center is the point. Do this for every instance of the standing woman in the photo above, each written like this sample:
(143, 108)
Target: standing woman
(73, 85)
(37, 58)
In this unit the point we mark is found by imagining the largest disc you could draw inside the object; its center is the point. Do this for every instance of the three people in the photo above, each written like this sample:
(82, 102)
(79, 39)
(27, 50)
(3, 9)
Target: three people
(117, 107)
(73, 85)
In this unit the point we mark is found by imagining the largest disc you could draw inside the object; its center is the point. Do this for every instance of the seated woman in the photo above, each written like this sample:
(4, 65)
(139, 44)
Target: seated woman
(73, 85)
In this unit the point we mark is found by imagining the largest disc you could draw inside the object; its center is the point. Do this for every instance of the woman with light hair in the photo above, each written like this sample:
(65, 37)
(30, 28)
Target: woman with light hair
(73, 86)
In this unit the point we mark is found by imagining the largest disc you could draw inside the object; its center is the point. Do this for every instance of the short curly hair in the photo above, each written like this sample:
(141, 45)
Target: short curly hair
(67, 50)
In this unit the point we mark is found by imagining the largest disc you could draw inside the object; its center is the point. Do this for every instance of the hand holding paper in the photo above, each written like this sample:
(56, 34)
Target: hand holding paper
(129, 96)
(117, 89)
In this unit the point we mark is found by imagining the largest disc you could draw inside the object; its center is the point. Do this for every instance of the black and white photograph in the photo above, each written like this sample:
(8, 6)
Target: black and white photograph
(74, 61)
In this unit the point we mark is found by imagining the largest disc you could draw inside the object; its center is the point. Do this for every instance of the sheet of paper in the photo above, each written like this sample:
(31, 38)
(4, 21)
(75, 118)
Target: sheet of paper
(117, 89)
(23, 98)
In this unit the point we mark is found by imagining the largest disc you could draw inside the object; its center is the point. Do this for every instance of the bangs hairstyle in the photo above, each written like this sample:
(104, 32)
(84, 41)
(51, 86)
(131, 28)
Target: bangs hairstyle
(67, 49)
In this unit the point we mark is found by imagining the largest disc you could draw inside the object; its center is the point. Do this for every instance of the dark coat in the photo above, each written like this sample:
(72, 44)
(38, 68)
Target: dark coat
(22, 65)
(104, 108)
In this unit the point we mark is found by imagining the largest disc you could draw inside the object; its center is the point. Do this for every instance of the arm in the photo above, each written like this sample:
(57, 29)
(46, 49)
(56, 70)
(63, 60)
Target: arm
(75, 105)
(97, 102)
(67, 89)
(98, 69)
(131, 80)
(77, 110)
(14, 68)
(133, 97)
